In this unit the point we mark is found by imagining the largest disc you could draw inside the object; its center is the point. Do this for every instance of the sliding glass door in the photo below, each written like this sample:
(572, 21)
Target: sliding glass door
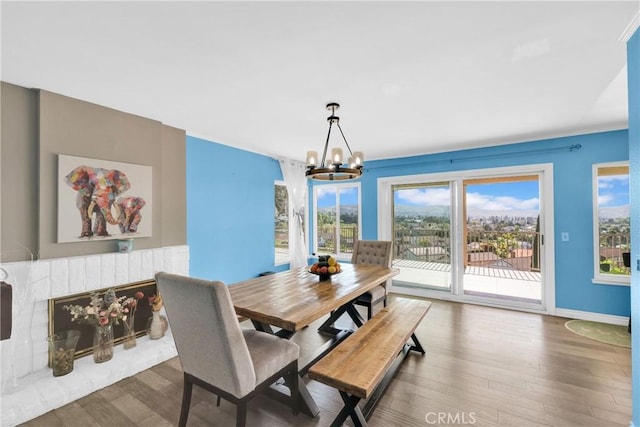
(422, 235)
(472, 235)
(502, 240)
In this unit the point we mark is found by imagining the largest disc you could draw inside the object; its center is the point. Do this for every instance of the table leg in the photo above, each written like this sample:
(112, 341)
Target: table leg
(323, 351)
(349, 308)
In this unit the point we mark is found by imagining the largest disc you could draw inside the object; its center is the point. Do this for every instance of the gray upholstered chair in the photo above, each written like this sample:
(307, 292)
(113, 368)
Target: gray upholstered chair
(216, 353)
(376, 252)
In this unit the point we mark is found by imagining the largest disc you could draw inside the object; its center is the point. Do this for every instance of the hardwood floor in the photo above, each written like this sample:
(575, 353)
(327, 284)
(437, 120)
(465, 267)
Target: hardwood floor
(484, 367)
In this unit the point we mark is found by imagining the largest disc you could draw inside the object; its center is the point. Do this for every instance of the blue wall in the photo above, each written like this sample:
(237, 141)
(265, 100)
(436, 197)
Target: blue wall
(230, 207)
(633, 70)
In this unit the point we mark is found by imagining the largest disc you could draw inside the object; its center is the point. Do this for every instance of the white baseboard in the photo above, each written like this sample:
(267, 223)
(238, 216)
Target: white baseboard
(594, 317)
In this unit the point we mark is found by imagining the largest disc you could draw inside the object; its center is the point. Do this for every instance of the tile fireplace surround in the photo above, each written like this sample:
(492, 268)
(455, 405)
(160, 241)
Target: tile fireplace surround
(29, 388)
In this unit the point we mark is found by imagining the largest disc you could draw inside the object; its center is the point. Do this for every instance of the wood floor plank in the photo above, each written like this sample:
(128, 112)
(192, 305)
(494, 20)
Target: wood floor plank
(503, 367)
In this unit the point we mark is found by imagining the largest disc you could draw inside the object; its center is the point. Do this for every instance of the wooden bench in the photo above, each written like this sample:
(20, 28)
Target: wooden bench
(363, 365)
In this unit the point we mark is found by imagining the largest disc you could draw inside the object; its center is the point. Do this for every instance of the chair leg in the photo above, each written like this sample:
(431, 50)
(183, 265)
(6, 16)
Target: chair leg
(370, 310)
(218, 401)
(186, 400)
(241, 414)
(293, 389)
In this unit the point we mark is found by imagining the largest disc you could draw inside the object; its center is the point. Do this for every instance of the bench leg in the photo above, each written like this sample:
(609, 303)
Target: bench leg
(350, 409)
(416, 344)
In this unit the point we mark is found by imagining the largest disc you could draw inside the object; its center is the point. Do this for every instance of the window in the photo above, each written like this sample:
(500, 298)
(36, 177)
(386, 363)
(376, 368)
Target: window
(611, 225)
(337, 214)
(281, 221)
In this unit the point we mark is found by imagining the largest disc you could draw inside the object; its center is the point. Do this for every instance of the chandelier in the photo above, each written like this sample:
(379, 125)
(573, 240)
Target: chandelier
(333, 169)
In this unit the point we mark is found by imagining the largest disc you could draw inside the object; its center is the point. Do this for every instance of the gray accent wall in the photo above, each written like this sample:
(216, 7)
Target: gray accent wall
(63, 125)
(18, 173)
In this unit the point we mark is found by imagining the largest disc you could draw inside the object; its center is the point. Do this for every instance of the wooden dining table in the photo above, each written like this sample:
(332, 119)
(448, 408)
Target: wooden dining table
(286, 302)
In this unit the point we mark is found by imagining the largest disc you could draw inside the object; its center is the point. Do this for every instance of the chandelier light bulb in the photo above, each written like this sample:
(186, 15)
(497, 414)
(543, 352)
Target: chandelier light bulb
(336, 156)
(358, 158)
(312, 158)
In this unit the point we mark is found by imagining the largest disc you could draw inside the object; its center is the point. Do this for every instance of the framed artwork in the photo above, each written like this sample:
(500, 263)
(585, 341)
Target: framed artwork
(101, 199)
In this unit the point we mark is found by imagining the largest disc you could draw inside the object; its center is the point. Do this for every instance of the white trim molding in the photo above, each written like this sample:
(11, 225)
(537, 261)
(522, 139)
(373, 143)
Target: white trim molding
(593, 317)
(631, 28)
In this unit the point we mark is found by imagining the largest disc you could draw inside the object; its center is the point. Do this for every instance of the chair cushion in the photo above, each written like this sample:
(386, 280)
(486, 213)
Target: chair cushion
(269, 353)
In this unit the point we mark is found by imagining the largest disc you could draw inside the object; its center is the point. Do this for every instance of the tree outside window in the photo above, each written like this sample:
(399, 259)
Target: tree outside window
(337, 224)
(281, 221)
(611, 223)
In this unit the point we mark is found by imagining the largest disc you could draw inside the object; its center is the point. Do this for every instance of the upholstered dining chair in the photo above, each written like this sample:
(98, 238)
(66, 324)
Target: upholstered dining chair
(376, 252)
(216, 353)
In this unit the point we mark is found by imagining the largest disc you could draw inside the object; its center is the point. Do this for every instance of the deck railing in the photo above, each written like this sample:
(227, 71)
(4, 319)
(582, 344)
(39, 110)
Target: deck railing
(614, 253)
(518, 250)
(497, 249)
(328, 236)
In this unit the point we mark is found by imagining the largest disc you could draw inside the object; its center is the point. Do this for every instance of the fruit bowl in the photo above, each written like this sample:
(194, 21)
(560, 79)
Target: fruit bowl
(324, 276)
(326, 267)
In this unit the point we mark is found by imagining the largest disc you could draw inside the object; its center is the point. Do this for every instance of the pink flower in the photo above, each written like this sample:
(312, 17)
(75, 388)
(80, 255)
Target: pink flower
(103, 321)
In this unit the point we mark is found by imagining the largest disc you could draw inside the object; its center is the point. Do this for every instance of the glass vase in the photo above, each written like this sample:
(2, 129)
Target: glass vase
(103, 343)
(62, 350)
(129, 335)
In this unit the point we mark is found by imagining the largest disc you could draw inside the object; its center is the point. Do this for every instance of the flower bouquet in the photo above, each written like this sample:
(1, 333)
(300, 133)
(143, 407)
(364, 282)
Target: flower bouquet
(102, 312)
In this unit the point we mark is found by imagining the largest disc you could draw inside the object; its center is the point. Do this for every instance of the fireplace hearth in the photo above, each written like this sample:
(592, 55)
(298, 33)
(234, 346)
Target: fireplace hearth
(29, 388)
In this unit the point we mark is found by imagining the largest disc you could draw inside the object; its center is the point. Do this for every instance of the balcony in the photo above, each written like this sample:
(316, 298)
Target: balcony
(503, 265)
(498, 264)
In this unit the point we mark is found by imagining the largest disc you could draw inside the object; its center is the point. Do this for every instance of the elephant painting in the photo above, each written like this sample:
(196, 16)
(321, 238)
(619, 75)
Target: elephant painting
(129, 213)
(97, 191)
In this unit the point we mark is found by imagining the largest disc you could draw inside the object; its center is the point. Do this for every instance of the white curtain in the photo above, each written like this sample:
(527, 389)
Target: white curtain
(293, 173)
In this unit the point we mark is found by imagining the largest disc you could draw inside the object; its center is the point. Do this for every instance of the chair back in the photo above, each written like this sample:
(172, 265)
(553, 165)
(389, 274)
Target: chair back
(207, 334)
(375, 252)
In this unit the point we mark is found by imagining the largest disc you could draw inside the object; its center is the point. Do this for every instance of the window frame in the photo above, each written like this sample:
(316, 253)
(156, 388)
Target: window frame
(341, 256)
(598, 277)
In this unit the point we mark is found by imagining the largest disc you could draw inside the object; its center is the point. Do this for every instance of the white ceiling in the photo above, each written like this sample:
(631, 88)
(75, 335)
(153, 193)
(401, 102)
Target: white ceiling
(412, 77)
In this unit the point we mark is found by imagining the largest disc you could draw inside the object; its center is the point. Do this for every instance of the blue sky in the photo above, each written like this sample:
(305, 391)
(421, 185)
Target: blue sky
(327, 196)
(613, 190)
(522, 195)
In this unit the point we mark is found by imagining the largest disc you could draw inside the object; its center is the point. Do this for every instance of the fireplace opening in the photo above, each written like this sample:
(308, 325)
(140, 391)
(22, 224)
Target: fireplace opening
(60, 319)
